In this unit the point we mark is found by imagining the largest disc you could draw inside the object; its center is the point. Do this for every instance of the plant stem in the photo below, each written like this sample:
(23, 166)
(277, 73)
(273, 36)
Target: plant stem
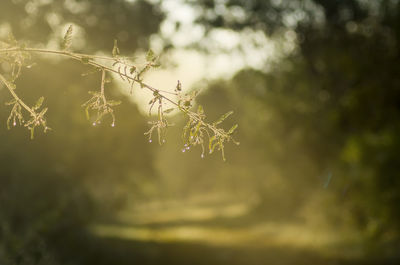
(81, 57)
(15, 96)
(103, 81)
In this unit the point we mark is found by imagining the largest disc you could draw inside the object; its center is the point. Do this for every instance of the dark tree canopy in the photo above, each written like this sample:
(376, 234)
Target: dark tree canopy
(345, 72)
(131, 22)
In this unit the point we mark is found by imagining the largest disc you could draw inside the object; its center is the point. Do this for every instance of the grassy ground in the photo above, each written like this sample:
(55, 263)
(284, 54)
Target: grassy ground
(219, 234)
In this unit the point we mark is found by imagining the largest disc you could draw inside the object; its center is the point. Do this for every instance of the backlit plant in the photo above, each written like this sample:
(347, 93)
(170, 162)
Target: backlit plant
(197, 130)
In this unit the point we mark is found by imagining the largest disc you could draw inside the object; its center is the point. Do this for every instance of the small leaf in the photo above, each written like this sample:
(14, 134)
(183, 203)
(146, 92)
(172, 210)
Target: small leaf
(39, 103)
(212, 139)
(132, 70)
(43, 112)
(115, 50)
(32, 132)
(114, 102)
(85, 60)
(179, 86)
(67, 40)
(168, 110)
(150, 56)
(200, 109)
(197, 128)
(213, 147)
(12, 102)
(231, 130)
(223, 117)
(186, 129)
(11, 85)
(194, 93)
(144, 70)
(31, 65)
(87, 113)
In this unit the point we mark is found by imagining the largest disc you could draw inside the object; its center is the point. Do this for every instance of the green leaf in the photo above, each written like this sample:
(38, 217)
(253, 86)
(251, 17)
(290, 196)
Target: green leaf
(115, 50)
(213, 147)
(179, 86)
(94, 93)
(212, 139)
(39, 103)
(114, 102)
(194, 93)
(223, 117)
(144, 70)
(85, 60)
(32, 132)
(67, 40)
(12, 102)
(231, 130)
(159, 135)
(43, 112)
(87, 113)
(168, 110)
(200, 109)
(11, 85)
(150, 56)
(132, 70)
(186, 129)
(198, 128)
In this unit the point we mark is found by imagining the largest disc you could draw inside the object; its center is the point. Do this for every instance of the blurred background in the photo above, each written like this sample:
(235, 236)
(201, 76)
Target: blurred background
(315, 87)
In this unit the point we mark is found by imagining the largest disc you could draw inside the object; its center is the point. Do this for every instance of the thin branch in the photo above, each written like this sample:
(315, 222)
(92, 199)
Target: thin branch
(196, 120)
(80, 57)
(103, 81)
(15, 96)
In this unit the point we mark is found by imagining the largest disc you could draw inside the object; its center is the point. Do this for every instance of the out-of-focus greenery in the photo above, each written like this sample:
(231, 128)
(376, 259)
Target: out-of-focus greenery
(331, 107)
(130, 22)
(51, 188)
(54, 185)
(318, 131)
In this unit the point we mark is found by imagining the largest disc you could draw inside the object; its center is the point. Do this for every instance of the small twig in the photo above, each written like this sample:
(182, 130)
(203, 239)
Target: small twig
(103, 81)
(196, 125)
(15, 96)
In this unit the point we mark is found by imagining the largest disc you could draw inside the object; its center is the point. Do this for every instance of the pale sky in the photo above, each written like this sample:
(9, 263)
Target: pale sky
(193, 66)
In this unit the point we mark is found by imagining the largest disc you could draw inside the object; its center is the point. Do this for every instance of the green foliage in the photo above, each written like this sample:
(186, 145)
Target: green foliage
(330, 105)
(53, 187)
(134, 20)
